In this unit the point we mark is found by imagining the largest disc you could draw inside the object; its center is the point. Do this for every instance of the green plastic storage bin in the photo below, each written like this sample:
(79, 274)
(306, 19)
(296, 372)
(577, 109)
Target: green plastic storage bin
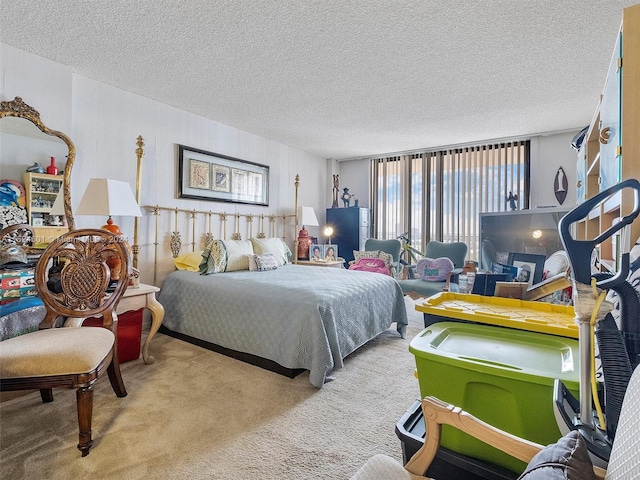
(502, 376)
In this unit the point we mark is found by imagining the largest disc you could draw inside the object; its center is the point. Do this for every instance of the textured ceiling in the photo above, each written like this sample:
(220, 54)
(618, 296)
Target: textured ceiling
(341, 78)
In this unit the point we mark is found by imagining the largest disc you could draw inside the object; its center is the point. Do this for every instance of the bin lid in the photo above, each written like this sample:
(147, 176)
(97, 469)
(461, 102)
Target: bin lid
(531, 356)
(505, 312)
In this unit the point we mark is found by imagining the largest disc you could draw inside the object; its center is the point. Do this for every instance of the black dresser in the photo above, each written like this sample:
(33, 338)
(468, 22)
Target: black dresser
(351, 228)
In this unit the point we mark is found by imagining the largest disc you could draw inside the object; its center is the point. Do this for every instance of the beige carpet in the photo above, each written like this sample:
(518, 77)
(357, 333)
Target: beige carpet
(195, 414)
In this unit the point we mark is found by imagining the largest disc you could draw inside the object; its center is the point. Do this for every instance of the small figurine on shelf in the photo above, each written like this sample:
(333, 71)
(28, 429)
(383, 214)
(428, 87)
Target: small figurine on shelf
(336, 182)
(512, 199)
(346, 197)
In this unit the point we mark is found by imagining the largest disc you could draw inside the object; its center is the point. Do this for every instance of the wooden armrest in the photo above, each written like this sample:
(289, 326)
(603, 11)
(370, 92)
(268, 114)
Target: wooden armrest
(437, 413)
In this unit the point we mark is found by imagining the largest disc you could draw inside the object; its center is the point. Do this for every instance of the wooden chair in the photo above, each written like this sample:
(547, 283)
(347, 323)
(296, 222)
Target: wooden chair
(78, 286)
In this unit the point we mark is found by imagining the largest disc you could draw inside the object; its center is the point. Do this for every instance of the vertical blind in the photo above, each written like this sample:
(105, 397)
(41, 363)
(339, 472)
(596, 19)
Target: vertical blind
(439, 195)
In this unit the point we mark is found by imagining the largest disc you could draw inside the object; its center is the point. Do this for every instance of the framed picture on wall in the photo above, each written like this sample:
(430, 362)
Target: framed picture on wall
(206, 175)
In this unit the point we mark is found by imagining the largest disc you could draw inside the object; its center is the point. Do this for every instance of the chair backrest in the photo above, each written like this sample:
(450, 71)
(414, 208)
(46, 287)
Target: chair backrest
(73, 275)
(392, 247)
(455, 251)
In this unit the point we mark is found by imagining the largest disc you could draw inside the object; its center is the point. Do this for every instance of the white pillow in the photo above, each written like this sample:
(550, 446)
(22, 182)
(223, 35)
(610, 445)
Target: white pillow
(237, 251)
(275, 246)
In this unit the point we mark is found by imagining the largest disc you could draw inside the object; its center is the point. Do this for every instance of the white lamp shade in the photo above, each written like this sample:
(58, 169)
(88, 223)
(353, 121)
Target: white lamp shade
(104, 196)
(306, 217)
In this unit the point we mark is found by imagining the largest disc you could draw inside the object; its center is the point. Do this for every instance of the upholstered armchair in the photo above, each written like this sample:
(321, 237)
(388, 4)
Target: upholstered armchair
(419, 288)
(391, 247)
(566, 459)
(74, 282)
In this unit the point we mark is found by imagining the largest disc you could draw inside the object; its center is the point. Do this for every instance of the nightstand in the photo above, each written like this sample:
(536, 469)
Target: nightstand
(134, 299)
(144, 297)
(333, 263)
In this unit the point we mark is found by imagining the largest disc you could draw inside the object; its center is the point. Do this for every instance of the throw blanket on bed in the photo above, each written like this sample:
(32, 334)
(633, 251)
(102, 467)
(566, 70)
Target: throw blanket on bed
(298, 316)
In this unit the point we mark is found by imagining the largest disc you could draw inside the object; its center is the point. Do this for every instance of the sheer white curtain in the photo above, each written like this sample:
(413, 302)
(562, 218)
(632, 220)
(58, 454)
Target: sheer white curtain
(438, 195)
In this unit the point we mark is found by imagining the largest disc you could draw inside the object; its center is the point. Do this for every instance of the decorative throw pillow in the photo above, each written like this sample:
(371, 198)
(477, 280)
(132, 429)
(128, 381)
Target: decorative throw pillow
(387, 258)
(237, 251)
(265, 262)
(370, 265)
(360, 254)
(275, 246)
(566, 460)
(189, 261)
(434, 269)
(214, 258)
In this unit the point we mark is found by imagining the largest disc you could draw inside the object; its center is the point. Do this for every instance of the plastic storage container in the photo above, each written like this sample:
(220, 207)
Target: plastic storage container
(504, 312)
(503, 376)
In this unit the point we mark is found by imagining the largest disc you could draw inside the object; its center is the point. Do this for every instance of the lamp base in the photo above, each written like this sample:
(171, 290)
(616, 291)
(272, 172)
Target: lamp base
(304, 242)
(114, 263)
(111, 227)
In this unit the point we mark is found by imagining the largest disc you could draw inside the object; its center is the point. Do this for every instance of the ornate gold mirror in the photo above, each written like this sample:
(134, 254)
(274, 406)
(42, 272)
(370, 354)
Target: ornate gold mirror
(26, 141)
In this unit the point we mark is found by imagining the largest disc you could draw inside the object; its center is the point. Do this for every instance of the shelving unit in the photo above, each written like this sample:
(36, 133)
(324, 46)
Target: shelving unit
(41, 192)
(611, 150)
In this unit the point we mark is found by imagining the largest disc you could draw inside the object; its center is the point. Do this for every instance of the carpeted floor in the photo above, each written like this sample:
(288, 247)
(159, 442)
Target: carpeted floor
(195, 414)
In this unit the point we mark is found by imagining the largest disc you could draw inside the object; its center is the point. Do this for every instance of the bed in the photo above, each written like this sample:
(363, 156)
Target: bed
(300, 317)
(244, 295)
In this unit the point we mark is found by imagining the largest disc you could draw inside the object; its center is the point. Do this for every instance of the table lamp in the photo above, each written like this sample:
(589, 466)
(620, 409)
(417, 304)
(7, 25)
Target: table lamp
(104, 196)
(328, 231)
(306, 217)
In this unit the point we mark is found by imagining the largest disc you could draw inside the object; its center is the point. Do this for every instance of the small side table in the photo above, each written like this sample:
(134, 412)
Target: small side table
(331, 263)
(144, 297)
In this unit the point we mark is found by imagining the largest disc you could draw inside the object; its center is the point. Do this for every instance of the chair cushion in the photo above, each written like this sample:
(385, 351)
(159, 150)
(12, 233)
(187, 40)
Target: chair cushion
(55, 351)
(383, 467)
(568, 459)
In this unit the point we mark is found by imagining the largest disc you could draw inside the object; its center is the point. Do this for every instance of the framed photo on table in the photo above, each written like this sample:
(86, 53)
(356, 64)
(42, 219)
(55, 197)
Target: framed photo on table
(206, 175)
(316, 253)
(330, 253)
(530, 266)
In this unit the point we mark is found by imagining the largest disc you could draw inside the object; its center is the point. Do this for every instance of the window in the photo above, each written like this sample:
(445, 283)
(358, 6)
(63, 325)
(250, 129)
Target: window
(439, 195)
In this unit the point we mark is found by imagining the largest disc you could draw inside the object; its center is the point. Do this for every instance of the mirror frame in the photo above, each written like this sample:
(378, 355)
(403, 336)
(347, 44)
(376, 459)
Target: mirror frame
(18, 108)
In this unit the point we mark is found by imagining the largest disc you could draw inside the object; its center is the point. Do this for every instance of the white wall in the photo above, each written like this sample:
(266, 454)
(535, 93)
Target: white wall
(104, 122)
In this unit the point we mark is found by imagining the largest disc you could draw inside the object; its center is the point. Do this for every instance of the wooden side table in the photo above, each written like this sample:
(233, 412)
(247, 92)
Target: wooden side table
(144, 297)
(332, 263)
(134, 299)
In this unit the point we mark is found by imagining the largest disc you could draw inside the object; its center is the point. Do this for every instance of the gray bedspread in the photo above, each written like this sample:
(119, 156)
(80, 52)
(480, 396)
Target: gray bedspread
(301, 317)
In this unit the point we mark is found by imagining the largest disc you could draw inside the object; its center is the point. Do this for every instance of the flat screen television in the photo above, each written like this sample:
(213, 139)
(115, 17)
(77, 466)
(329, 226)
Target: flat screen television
(523, 231)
